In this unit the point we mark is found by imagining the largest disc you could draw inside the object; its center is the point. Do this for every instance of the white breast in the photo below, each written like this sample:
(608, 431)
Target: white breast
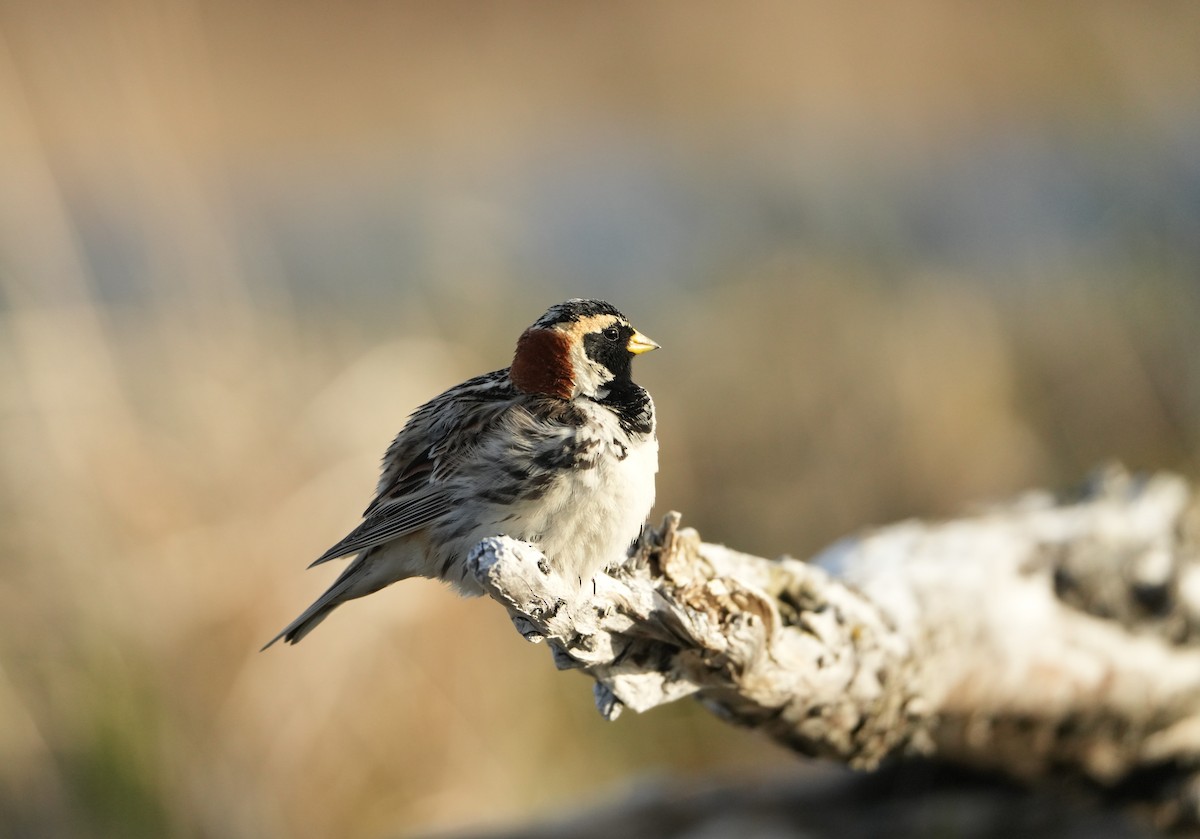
(594, 514)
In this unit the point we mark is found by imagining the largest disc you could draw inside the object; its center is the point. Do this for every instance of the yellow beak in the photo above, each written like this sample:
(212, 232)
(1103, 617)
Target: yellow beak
(639, 343)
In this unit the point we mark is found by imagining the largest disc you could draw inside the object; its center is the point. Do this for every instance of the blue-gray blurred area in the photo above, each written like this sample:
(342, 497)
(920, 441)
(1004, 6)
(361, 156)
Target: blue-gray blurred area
(903, 259)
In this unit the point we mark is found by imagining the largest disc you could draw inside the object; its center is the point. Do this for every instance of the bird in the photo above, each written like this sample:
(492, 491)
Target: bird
(560, 450)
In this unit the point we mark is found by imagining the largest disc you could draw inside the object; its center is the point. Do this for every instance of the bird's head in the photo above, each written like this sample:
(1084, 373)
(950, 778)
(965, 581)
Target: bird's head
(578, 348)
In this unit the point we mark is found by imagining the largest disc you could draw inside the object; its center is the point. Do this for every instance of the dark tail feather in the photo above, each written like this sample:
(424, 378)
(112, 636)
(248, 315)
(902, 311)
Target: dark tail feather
(304, 624)
(361, 577)
(334, 596)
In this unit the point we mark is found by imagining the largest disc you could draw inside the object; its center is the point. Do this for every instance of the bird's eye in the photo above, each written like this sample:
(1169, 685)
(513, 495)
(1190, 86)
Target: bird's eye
(612, 333)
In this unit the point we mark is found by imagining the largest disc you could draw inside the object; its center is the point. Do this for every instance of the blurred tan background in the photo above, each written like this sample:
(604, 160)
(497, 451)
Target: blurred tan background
(902, 258)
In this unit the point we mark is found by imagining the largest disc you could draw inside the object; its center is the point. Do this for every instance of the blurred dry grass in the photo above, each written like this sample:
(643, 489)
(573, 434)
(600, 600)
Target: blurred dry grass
(192, 402)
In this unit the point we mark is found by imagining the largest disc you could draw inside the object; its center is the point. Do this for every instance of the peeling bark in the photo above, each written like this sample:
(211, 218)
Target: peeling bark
(1045, 635)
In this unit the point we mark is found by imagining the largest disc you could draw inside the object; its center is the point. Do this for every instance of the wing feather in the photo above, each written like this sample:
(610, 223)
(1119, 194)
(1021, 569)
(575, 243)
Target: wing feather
(390, 522)
(442, 435)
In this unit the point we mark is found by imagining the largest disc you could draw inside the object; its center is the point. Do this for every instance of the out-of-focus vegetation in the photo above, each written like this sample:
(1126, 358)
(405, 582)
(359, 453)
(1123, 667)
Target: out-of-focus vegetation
(901, 260)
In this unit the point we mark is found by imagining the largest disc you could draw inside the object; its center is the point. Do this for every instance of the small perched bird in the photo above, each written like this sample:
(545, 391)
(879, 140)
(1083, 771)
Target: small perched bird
(558, 450)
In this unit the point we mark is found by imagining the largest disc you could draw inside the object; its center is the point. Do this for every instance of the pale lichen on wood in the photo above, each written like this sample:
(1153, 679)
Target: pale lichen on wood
(1045, 634)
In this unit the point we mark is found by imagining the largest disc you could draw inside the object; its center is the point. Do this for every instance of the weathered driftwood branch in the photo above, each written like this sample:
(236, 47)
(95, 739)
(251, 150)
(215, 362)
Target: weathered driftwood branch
(1045, 634)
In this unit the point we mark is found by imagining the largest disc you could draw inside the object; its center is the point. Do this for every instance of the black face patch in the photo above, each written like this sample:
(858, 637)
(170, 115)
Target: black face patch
(610, 347)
